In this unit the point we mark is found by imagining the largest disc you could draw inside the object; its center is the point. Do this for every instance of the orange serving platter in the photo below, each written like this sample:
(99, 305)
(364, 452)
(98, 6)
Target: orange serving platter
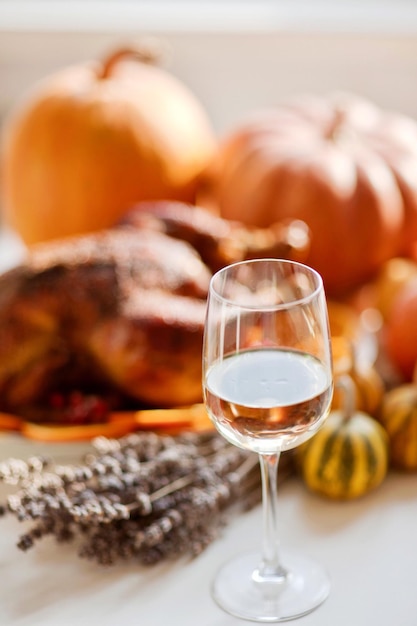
(164, 421)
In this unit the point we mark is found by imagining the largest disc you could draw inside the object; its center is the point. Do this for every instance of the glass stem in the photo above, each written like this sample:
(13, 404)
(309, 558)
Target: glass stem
(270, 569)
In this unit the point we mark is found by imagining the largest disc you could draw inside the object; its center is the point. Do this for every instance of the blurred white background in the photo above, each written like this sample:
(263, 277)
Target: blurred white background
(236, 55)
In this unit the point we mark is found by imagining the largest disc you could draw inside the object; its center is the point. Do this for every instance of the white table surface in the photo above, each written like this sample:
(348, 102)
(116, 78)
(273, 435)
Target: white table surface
(369, 547)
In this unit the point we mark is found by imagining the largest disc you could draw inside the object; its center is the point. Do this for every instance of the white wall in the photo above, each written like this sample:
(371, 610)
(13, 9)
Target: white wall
(234, 66)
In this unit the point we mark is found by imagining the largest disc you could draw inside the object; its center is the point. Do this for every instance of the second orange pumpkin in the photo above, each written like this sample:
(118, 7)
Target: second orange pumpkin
(340, 164)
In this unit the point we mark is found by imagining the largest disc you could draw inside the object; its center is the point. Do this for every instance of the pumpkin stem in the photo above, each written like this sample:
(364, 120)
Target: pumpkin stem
(148, 54)
(347, 385)
(339, 131)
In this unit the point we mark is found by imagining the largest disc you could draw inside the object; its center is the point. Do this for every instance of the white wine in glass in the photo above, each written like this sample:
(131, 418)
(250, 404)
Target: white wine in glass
(267, 382)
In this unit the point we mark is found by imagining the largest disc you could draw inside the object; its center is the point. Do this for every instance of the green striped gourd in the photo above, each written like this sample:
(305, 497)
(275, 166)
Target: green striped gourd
(348, 456)
(398, 415)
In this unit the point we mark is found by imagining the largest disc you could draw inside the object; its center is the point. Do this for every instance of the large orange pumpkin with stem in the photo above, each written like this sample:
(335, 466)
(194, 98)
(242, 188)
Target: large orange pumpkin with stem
(95, 138)
(340, 164)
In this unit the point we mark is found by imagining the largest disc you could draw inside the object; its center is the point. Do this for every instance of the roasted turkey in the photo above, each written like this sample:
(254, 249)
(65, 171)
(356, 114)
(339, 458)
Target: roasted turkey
(121, 312)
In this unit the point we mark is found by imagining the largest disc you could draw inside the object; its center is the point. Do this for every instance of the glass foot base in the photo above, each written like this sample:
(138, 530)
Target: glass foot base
(237, 592)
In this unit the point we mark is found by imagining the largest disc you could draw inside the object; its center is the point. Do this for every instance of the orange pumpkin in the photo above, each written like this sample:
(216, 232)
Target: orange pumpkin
(340, 164)
(392, 277)
(400, 331)
(343, 319)
(95, 138)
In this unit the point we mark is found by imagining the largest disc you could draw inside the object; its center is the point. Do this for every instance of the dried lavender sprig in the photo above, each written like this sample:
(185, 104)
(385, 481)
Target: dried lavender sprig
(192, 525)
(144, 496)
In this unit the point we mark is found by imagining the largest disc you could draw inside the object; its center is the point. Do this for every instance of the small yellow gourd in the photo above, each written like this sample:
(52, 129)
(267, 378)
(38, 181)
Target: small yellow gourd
(348, 456)
(368, 385)
(368, 388)
(398, 415)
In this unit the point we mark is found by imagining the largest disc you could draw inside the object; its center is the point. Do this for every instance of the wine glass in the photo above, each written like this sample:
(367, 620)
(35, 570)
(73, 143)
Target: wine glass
(267, 384)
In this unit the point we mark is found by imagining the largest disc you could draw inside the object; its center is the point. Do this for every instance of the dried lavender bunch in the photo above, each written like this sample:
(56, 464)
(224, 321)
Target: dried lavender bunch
(146, 497)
